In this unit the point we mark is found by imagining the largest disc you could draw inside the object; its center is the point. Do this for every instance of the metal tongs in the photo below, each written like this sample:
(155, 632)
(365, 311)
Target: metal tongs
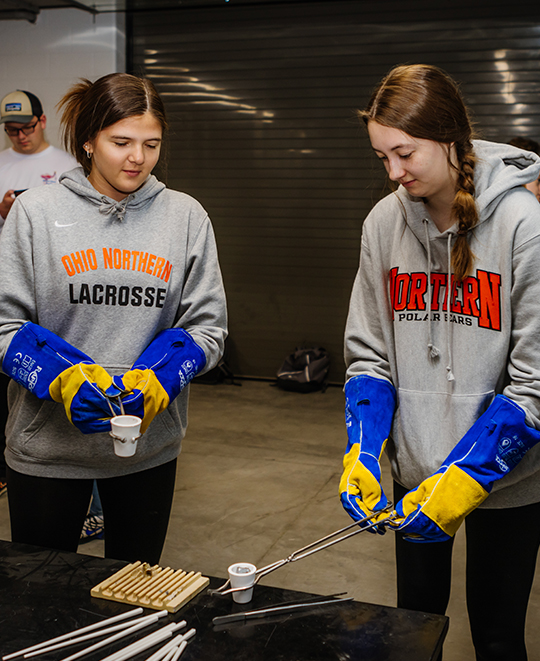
(319, 545)
(118, 399)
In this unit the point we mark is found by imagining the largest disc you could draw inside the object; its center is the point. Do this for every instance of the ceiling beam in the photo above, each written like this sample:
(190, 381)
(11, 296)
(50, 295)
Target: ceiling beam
(18, 10)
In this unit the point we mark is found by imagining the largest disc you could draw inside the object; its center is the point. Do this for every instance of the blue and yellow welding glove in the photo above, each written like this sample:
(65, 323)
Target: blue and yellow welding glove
(369, 411)
(160, 373)
(52, 369)
(492, 447)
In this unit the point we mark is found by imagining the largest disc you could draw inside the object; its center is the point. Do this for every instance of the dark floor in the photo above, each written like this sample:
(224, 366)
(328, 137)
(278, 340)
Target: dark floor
(258, 479)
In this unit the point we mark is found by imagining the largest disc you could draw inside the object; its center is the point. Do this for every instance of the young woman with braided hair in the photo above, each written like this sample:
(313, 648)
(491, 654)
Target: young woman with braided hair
(442, 347)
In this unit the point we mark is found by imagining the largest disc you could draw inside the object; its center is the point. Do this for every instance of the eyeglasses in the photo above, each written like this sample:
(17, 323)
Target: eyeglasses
(26, 130)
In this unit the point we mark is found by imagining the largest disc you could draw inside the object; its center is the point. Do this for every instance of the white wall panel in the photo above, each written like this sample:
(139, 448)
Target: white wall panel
(47, 57)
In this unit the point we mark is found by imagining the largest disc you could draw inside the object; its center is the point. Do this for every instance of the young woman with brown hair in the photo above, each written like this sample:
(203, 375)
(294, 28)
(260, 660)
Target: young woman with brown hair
(442, 348)
(110, 289)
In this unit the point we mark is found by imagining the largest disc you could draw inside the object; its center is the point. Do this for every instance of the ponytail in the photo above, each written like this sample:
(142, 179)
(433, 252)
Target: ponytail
(72, 103)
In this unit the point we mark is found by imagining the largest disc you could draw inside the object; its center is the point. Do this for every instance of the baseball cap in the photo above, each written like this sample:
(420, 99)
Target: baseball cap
(20, 107)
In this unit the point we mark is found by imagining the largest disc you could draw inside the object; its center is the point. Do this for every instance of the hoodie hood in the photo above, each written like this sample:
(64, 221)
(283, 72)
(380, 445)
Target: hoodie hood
(499, 168)
(78, 183)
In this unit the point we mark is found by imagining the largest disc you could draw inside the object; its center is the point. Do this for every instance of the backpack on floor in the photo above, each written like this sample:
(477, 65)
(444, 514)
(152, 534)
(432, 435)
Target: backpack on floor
(305, 370)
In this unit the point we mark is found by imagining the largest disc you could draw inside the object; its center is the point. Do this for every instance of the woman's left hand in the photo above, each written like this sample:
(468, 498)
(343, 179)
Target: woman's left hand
(490, 449)
(160, 373)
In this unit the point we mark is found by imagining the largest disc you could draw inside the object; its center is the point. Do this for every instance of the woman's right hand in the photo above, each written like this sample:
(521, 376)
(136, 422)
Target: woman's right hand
(369, 411)
(53, 369)
(360, 487)
(88, 395)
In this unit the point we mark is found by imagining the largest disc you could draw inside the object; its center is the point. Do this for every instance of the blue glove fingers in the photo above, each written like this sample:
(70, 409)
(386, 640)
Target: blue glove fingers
(418, 528)
(355, 508)
(91, 410)
(90, 401)
(113, 390)
(93, 426)
(134, 403)
(117, 384)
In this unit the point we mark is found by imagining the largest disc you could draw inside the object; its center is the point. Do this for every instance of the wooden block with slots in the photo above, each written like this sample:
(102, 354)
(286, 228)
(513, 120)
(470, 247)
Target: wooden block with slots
(140, 584)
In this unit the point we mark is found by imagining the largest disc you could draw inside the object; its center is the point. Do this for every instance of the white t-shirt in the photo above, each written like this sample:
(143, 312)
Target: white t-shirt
(22, 171)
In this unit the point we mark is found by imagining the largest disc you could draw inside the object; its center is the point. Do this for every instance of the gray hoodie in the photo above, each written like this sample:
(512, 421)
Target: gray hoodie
(105, 276)
(448, 364)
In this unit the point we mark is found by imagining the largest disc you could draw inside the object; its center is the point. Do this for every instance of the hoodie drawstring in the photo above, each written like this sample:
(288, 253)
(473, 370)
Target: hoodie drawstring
(449, 372)
(114, 208)
(433, 350)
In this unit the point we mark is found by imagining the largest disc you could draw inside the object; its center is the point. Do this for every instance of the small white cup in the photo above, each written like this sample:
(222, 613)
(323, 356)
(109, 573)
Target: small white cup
(125, 430)
(242, 574)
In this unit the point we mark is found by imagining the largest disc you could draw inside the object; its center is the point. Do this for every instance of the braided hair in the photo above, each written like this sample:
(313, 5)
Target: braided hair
(425, 102)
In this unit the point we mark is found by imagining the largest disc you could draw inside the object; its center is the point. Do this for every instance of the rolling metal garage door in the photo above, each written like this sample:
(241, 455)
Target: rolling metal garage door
(262, 99)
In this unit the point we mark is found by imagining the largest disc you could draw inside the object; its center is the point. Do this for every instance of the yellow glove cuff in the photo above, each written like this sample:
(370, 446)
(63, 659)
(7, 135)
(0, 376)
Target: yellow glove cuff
(446, 498)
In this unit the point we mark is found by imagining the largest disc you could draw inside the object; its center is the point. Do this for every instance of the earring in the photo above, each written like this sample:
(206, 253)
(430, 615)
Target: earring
(88, 153)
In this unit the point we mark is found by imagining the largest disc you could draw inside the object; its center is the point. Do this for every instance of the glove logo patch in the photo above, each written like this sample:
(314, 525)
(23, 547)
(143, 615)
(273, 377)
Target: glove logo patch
(23, 373)
(510, 453)
(502, 465)
(188, 366)
(187, 371)
(28, 362)
(33, 378)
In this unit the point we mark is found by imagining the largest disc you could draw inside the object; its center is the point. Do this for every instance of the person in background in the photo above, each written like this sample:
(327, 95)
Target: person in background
(111, 300)
(529, 145)
(29, 162)
(442, 347)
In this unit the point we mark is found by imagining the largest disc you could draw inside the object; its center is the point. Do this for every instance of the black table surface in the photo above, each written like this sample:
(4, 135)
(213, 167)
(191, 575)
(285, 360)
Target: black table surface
(46, 593)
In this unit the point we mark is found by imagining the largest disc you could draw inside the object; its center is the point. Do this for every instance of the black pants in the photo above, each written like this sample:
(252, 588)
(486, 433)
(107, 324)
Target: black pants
(502, 547)
(50, 512)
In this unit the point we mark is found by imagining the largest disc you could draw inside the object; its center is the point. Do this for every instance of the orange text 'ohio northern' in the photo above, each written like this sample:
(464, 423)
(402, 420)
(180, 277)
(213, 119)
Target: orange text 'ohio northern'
(116, 258)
